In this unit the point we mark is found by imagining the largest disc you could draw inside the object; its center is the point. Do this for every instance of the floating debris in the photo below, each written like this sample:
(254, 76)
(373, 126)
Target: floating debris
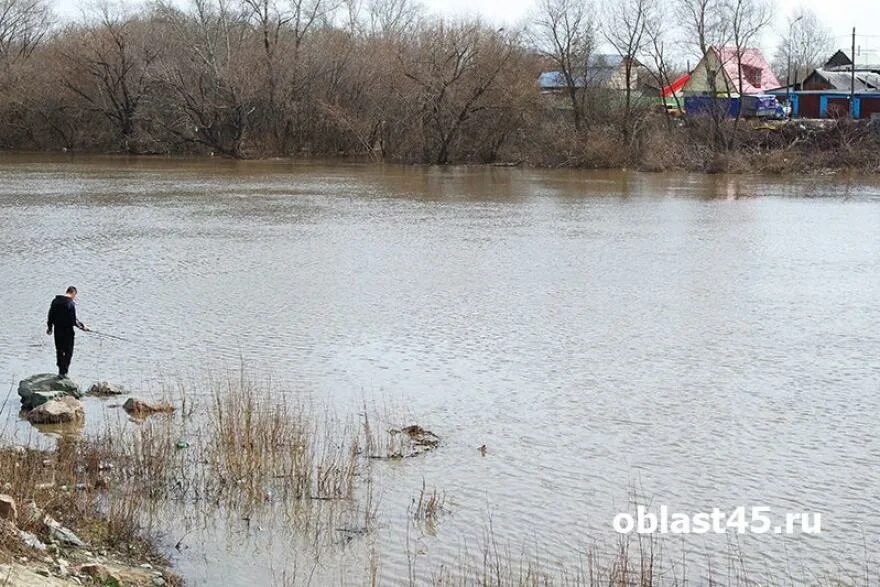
(141, 409)
(408, 442)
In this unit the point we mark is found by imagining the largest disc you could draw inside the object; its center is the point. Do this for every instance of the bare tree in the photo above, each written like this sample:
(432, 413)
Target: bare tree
(704, 24)
(626, 31)
(748, 19)
(23, 24)
(110, 63)
(389, 18)
(285, 27)
(565, 33)
(806, 44)
(657, 32)
(269, 19)
(207, 76)
(453, 67)
(305, 15)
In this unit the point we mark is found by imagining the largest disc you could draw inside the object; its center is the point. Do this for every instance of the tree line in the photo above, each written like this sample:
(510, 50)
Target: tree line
(377, 79)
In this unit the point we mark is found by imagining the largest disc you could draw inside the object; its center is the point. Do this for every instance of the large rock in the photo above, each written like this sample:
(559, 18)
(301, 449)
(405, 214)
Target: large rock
(39, 389)
(57, 411)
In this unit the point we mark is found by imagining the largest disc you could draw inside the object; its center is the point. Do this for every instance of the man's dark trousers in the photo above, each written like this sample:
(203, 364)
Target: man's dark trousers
(63, 350)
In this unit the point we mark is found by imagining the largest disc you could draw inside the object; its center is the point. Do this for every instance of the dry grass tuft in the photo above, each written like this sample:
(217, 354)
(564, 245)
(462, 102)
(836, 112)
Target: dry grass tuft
(428, 506)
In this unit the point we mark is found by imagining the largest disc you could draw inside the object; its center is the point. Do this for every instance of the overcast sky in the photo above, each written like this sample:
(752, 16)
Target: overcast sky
(839, 15)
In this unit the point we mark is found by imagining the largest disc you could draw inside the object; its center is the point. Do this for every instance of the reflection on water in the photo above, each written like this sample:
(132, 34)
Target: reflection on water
(710, 340)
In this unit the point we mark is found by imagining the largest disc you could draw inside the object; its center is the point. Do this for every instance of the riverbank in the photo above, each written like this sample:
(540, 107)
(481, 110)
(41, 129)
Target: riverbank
(780, 148)
(58, 530)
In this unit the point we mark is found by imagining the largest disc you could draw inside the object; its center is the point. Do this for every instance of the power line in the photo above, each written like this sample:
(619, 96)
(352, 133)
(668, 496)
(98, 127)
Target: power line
(858, 36)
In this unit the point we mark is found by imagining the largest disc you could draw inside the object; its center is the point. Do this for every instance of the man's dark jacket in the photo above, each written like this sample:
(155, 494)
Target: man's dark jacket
(62, 316)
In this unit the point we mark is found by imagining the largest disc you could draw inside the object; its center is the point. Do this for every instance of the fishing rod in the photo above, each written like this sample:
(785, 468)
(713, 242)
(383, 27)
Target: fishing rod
(111, 336)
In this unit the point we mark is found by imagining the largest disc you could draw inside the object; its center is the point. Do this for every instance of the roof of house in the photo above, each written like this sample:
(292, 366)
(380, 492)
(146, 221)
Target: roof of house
(839, 93)
(612, 60)
(838, 59)
(675, 87)
(555, 80)
(600, 69)
(750, 57)
(870, 67)
(841, 62)
(842, 80)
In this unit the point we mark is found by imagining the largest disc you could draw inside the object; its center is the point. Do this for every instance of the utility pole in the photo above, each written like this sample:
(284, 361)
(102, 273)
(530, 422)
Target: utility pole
(852, 79)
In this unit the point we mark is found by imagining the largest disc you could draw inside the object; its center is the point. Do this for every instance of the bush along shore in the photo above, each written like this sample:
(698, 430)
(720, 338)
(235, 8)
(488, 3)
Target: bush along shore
(381, 81)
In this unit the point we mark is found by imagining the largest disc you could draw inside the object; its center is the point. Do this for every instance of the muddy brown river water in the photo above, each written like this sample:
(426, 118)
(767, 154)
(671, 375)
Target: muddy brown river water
(712, 341)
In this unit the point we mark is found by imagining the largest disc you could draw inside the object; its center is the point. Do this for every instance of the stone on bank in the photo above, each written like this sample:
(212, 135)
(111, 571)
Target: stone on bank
(39, 389)
(66, 410)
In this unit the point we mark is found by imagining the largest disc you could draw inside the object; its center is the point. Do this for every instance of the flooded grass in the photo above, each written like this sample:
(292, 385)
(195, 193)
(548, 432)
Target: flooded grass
(240, 442)
(429, 505)
(243, 450)
(236, 448)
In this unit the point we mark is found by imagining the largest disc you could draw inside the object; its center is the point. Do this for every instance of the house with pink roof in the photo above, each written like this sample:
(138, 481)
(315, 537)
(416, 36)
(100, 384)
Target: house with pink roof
(731, 71)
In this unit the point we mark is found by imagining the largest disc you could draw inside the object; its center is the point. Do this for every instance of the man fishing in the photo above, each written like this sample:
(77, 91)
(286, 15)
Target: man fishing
(62, 319)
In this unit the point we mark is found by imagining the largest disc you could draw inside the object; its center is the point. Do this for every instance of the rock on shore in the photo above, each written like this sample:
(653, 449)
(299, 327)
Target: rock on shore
(66, 410)
(39, 389)
(104, 388)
